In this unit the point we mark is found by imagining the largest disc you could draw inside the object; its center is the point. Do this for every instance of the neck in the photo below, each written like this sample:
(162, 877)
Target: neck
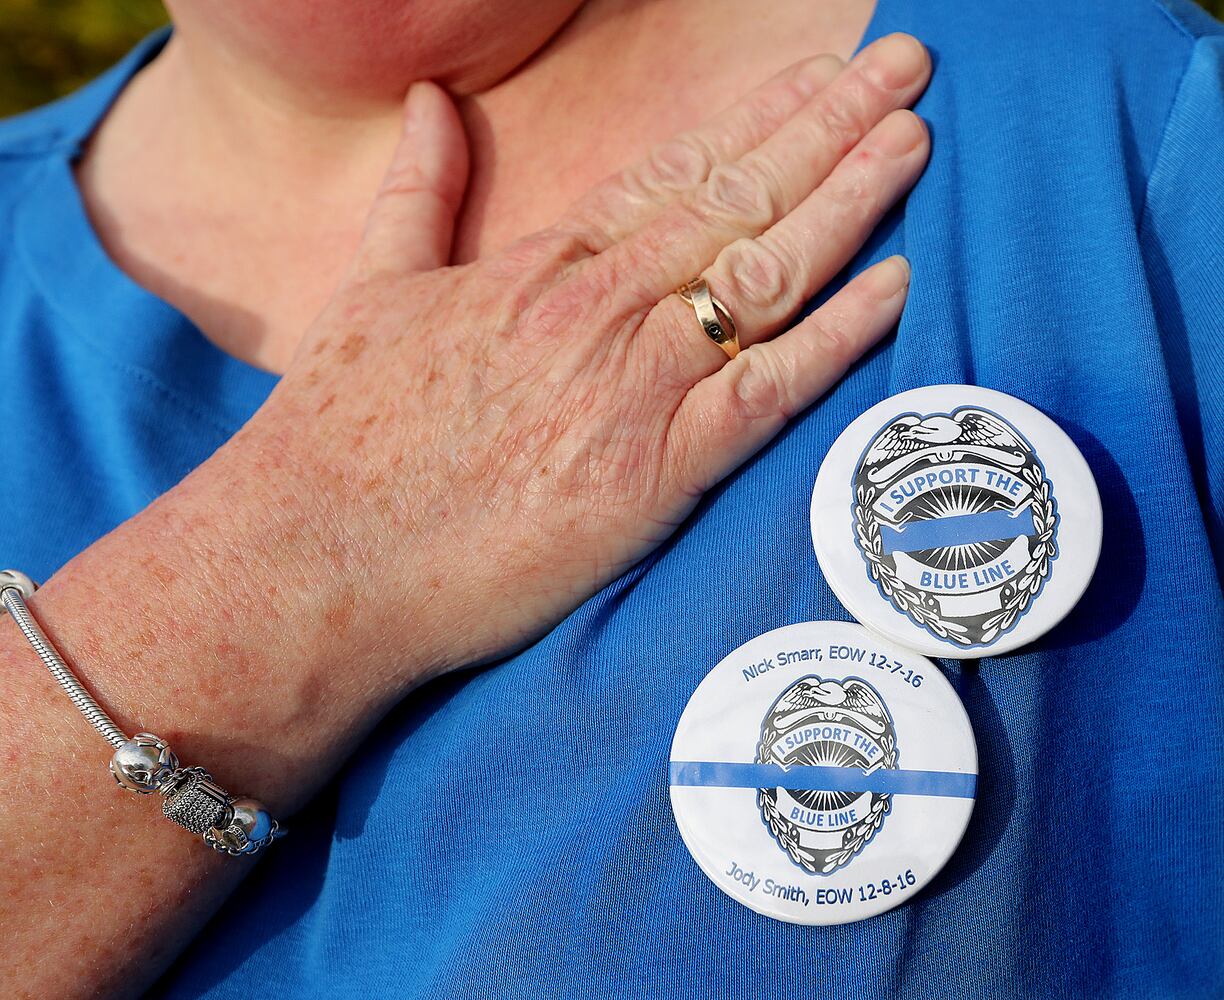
(291, 134)
(226, 122)
(218, 141)
(321, 116)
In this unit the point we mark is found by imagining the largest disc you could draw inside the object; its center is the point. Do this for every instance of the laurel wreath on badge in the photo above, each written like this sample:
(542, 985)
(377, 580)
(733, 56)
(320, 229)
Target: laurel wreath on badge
(921, 607)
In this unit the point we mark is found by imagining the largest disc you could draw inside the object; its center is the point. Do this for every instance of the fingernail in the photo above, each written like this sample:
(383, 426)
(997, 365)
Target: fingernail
(895, 62)
(898, 133)
(892, 276)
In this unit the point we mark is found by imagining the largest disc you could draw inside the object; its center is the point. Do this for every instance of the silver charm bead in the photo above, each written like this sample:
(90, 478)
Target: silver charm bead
(16, 578)
(195, 802)
(143, 763)
(250, 827)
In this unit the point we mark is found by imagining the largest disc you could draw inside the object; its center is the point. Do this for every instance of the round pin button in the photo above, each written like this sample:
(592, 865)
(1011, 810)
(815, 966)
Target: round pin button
(821, 774)
(956, 520)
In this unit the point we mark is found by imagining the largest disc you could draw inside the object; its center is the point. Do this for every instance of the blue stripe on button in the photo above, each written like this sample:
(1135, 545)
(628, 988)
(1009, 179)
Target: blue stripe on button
(964, 529)
(809, 777)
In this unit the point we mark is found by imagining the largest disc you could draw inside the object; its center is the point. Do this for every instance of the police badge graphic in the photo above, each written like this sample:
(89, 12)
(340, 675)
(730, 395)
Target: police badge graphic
(956, 521)
(820, 773)
(826, 723)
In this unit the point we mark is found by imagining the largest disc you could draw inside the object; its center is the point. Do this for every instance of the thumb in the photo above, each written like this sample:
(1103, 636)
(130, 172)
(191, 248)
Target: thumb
(412, 221)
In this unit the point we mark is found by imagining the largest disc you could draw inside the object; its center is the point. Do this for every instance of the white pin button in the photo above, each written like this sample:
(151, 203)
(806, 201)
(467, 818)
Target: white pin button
(821, 774)
(956, 520)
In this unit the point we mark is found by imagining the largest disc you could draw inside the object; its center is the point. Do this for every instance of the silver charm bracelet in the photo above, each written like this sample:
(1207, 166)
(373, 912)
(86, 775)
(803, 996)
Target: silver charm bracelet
(144, 763)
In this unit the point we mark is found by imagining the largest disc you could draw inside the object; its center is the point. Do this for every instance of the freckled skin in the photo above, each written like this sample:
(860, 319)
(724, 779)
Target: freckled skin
(340, 614)
(158, 570)
(513, 424)
(351, 348)
(548, 420)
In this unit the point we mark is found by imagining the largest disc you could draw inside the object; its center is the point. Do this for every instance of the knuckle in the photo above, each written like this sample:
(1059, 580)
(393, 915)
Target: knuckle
(523, 254)
(817, 73)
(791, 94)
(841, 117)
(654, 249)
(568, 306)
(676, 165)
(551, 312)
(516, 303)
(547, 252)
(563, 246)
(829, 337)
(761, 385)
(756, 275)
(405, 185)
(850, 201)
(739, 192)
(858, 187)
(406, 178)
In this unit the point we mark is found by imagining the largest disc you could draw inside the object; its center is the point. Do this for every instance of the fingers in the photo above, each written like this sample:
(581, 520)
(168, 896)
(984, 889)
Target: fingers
(771, 277)
(625, 201)
(746, 197)
(411, 223)
(764, 282)
(729, 416)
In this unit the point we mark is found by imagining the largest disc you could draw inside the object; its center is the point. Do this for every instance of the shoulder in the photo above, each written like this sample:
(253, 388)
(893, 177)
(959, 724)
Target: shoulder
(60, 129)
(1125, 29)
(1068, 39)
(34, 133)
(1190, 18)
(1074, 81)
(28, 144)
(1154, 26)
(31, 146)
(28, 140)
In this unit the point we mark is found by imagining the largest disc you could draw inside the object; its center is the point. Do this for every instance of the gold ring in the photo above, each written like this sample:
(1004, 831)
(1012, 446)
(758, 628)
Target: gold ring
(712, 315)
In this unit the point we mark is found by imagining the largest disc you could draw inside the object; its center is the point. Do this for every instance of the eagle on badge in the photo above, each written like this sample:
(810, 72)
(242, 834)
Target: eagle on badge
(944, 438)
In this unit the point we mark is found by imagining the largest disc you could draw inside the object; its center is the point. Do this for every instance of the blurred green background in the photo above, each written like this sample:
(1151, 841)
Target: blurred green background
(50, 47)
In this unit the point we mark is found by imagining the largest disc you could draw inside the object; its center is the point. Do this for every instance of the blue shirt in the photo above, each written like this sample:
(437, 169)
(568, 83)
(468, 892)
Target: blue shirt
(507, 832)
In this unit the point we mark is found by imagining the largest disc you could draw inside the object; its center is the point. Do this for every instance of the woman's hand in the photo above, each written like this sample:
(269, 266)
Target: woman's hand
(456, 457)
(480, 448)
